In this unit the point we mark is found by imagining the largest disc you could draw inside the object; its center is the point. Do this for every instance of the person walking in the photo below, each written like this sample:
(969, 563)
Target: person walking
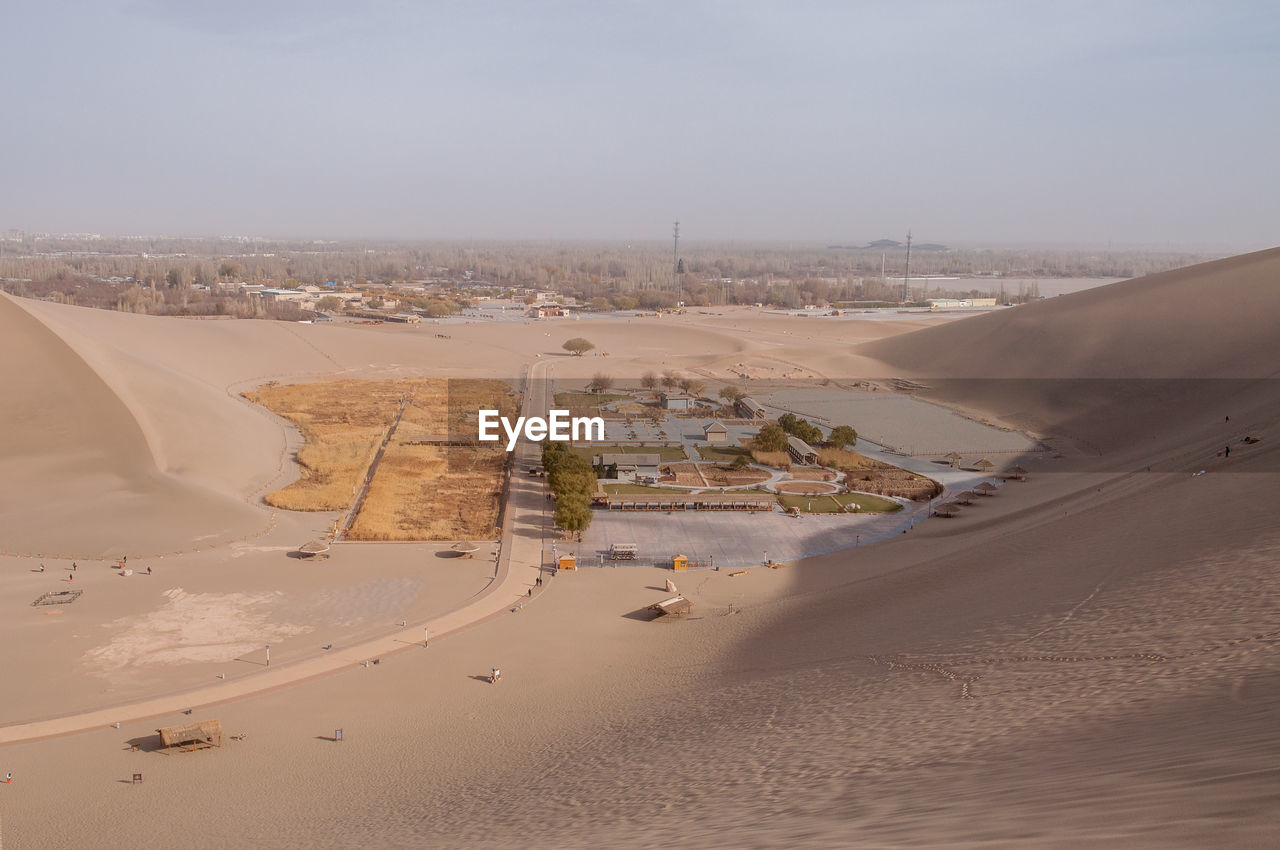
(1228, 451)
(71, 578)
(8, 778)
(148, 569)
(74, 566)
(495, 676)
(42, 568)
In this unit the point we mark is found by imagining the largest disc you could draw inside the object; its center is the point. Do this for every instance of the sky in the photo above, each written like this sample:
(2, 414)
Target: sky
(1122, 123)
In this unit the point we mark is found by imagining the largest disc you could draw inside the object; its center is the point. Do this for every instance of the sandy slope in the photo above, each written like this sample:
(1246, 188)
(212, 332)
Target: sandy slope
(1141, 370)
(1089, 656)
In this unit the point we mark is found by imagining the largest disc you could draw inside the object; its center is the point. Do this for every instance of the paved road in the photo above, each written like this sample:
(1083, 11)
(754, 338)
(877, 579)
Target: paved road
(519, 564)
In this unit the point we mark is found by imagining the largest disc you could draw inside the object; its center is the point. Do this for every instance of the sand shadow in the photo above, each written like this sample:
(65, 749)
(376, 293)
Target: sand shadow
(643, 615)
(449, 554)
(484, 679)
(144, 744)
(330, 738)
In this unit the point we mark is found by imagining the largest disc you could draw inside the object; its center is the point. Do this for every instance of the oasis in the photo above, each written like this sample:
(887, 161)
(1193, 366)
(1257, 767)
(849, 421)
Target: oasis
(558, 426)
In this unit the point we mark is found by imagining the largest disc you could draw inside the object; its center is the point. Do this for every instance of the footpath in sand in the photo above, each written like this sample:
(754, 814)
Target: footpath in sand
(519, 566)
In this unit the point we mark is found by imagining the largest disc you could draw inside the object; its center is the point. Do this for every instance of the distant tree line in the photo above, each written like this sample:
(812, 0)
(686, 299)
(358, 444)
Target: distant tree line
(604, 277)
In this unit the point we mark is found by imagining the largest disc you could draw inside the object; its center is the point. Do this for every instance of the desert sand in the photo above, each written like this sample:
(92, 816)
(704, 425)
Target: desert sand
(1091, 655)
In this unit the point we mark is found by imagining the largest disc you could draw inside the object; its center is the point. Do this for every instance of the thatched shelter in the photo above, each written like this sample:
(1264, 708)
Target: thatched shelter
(318, 549)
(1016, 473)
(192, 736)
(965, 497)
(465, 548)
(676, 606)
(984, 464)
(986, 488)
(946, 511)
(953, 459)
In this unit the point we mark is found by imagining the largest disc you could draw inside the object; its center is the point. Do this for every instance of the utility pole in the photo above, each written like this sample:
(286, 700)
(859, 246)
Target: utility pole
(675, 262)
(906, 275)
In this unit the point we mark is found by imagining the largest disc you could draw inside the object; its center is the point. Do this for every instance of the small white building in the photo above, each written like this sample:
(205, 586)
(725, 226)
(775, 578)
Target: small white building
(715, 433)
(632, 466)
(676, 402)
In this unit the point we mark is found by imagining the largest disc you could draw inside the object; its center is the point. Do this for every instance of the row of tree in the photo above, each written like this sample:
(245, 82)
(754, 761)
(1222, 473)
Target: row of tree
(773, 438)
(573, 481)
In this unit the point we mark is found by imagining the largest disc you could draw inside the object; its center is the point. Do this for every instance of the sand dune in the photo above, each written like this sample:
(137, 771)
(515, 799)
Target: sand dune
(1149, 369)
(1089, 656)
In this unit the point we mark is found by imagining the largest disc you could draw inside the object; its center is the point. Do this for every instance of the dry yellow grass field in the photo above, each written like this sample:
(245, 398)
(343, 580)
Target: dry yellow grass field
(342, 422)
(873, 476)
(778, 460)
(423, 489)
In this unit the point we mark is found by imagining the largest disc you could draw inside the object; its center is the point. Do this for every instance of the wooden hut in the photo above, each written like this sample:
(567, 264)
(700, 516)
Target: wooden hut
(192, 736)
(1016, 473)
(986, 488)
(314, 549)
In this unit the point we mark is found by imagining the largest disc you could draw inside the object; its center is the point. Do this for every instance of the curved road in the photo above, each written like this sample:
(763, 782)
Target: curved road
(519, 564)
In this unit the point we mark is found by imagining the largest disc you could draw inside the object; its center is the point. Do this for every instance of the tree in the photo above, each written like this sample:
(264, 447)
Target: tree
(624, 302)
(573, 513)
(600, 383)
(649, 381)
(732, 394)
(771, 438)
(669, 379)
(329, 302)
(684, 384)
(599, 304)
(578, 346)
(842, 435)
(696, 388)
(740, 462)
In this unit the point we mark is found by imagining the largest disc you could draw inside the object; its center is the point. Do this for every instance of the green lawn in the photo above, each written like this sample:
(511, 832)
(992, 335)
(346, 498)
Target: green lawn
(620, 489)
(829, 503)
(666, 454)
(587, 399)
(724, 454)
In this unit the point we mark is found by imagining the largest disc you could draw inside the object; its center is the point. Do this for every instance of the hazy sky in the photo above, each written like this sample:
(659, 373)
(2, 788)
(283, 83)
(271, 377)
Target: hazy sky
(1141, 122)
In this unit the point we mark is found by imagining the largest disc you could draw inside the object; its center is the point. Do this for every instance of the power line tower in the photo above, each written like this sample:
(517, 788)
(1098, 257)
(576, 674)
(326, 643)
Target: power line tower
(906, 275)
(675, 263)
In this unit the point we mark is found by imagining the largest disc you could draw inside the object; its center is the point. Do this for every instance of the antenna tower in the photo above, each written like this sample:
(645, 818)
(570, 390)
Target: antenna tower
(675, 262)
(906, 275)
